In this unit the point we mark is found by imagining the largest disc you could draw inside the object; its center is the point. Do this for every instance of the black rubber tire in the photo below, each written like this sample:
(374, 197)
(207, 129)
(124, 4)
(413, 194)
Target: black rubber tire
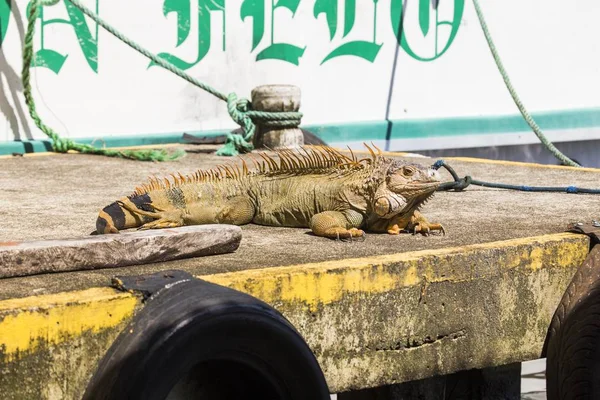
(572, 347)
(223, 344)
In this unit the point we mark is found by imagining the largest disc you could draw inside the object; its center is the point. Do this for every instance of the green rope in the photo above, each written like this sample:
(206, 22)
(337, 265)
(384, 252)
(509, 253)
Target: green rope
(239, 109)
(62, 145)
(536, 129)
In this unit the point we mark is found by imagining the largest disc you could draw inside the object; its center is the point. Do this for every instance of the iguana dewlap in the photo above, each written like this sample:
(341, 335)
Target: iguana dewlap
(334, 195)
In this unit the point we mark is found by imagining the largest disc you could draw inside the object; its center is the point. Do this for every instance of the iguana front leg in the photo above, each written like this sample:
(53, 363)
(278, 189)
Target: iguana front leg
(337, 225)
(420, 224)
(415, 223)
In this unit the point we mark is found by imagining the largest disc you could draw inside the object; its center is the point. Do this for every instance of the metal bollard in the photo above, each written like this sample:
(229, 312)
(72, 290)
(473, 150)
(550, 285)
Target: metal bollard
(277, 98)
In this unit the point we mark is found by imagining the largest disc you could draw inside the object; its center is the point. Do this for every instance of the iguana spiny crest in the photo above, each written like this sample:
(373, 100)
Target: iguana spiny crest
(333, 194)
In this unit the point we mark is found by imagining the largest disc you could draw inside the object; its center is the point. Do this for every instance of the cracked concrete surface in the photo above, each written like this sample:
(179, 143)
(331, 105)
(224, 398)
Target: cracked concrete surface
(378, 312)
(58, 196)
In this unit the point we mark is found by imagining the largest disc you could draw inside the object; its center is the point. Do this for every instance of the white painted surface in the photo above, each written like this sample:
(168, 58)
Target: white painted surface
(533, 379)
(547, 48)
(467, 141)
(550, 49)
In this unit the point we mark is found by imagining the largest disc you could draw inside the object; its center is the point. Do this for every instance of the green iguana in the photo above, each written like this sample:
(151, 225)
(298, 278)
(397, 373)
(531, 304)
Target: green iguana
(335, 195)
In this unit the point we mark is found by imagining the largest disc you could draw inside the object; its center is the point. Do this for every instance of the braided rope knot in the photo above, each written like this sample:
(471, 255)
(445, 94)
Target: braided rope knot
(463, 183)
(62, 145)
(283, 119)
(240, 111)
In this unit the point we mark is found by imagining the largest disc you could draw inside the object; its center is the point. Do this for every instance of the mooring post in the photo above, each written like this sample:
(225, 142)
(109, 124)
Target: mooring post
(277, 98)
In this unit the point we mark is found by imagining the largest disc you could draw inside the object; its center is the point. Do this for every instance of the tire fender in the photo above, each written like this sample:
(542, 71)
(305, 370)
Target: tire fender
(572, 347)
(196, 337)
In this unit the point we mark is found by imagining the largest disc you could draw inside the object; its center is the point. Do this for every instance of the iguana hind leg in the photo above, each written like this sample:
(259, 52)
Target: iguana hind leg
(337, 225)
(162, 218)
(129, 206)
(160, 224)
(238, 211)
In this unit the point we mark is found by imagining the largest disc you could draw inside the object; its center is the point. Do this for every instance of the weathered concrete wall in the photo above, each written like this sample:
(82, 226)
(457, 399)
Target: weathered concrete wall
(389, 319)
(50, 345)
(370, 321)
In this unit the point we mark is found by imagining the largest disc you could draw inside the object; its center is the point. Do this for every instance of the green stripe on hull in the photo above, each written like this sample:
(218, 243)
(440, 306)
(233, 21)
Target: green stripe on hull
(458, 126)
(363, 131)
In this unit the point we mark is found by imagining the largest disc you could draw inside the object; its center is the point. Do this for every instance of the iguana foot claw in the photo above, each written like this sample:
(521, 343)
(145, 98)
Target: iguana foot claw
(354, 237)
(425, 228)
(343, 234)
(362, 238)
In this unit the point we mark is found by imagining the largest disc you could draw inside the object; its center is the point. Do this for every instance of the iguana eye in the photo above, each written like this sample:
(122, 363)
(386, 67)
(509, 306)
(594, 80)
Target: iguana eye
(408, 171)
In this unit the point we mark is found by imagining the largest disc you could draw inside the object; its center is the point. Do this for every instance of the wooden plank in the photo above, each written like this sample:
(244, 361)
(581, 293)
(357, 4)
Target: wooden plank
(23, 258)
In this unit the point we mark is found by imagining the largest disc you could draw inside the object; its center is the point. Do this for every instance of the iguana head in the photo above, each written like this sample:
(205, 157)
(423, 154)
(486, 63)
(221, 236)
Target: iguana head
(406, 187)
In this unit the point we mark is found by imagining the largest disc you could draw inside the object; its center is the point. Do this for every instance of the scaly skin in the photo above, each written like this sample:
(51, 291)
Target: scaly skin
(334, 195)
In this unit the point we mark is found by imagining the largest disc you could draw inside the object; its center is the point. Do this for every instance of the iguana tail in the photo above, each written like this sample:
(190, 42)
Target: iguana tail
(119, 214)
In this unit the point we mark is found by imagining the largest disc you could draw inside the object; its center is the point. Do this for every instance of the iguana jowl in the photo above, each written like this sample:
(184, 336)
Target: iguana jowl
(335, 195)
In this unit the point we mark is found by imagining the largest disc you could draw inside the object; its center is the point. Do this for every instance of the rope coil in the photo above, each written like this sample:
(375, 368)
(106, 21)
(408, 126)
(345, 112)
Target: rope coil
(242, 114)
(240, 110)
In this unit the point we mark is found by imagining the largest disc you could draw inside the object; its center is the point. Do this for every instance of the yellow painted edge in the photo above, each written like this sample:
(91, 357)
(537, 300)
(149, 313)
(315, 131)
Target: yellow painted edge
(26, 323)
(406, 256)
(61, 299)
(325, 282)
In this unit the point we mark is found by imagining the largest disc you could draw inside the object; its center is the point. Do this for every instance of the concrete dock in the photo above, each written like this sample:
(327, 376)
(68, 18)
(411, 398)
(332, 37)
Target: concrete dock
(381, 311)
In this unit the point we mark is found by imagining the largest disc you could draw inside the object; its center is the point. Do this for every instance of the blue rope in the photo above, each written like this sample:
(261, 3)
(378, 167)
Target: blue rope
(462, 183)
